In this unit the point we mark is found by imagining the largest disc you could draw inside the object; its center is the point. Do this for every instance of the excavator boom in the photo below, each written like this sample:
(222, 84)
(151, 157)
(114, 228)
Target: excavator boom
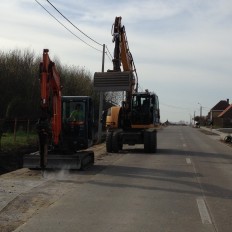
(50, 81)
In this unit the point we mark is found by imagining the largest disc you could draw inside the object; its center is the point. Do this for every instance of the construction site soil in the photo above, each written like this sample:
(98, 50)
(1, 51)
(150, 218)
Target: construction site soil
(13, 160)
(23, 192)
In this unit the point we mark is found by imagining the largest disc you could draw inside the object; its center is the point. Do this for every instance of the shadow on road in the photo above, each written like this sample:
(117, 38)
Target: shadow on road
(193, 153)
(161, 180)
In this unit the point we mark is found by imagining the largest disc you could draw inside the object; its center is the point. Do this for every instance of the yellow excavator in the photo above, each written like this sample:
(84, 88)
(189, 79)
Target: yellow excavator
(137, 119)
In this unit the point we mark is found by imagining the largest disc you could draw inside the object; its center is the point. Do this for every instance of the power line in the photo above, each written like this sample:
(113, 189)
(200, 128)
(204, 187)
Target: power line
(175, 107)
(140, 87)
(109, 52)
(108, 56)
(66, 27)
(73, 24)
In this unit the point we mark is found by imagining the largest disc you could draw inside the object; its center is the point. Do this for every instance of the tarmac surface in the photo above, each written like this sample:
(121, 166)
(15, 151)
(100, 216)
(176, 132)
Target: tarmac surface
(24, 192)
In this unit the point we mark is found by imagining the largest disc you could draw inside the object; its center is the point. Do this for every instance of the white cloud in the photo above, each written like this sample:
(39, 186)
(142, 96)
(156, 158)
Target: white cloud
(181, 48)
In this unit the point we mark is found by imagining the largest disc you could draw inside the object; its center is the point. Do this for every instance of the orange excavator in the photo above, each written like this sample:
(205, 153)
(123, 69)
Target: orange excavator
(137, 119)
(62, 137)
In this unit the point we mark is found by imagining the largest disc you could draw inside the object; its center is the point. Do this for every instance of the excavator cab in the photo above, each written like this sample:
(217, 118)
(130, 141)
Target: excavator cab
(77, 122)
(145, 109)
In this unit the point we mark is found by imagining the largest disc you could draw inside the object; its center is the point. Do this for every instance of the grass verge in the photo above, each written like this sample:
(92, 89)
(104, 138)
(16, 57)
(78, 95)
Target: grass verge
(21, 141)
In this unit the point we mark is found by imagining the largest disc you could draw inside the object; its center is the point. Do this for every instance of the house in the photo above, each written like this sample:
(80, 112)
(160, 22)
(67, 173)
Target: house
(226, 117)
(216, 111)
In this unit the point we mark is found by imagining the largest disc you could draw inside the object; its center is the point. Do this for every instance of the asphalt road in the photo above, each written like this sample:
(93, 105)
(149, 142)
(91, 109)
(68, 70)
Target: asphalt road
(186, 186)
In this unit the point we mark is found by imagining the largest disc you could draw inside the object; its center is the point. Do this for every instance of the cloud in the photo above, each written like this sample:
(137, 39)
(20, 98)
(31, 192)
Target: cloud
(182, 49)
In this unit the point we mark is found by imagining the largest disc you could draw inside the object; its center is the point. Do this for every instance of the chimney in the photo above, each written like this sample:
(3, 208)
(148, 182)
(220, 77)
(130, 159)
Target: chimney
(227, 100)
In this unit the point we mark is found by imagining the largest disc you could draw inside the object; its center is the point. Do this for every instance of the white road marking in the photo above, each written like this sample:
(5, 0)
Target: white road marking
(205, 218)
(188, 161)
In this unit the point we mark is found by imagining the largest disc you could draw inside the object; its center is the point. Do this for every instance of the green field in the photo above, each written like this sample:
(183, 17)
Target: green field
(20, 140)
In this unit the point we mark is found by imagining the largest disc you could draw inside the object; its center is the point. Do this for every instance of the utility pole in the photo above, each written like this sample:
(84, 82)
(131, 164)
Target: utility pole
(190, 119)
(200, 112)
(200, 120)
(194, 118)
(101, 101)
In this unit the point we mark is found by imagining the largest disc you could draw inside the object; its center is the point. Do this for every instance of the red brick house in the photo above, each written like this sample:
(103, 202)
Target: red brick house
(216, 111)
(226, 117)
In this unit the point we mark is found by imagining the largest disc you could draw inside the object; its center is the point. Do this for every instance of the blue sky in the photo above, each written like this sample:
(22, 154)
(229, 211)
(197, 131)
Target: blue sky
(182, 48)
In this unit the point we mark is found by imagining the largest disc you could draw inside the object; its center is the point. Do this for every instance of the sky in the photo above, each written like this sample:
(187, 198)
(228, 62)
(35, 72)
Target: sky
(182, 49)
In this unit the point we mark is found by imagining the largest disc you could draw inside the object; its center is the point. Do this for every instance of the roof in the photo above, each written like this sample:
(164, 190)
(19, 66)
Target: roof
(225, 111)
(222, 105)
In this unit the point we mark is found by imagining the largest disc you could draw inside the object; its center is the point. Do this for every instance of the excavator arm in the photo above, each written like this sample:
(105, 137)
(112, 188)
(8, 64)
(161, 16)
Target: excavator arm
(122, 53)
(117, 80)
(51, 88)
(49, 125)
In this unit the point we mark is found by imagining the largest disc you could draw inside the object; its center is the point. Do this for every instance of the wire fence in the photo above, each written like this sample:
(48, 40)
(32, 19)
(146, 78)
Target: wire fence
(17, 127)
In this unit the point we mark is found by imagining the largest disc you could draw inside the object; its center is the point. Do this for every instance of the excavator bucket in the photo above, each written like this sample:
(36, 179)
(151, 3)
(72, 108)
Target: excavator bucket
(79, 160)
(113, 81)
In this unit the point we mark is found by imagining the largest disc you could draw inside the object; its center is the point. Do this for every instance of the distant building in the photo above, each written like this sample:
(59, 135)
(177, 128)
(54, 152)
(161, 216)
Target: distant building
(226, 117)
(216, 111)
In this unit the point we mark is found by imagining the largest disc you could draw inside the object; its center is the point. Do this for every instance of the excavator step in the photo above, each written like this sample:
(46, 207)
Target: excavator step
(79, 160)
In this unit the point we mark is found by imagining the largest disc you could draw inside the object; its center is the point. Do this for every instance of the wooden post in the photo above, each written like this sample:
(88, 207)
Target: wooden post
(15, 129)
(28, 127)
(101, 101)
